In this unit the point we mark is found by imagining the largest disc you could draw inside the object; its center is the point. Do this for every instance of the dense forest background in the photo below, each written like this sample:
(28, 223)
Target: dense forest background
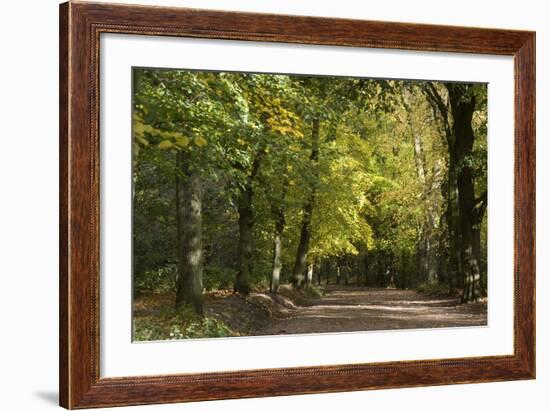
(246, 182)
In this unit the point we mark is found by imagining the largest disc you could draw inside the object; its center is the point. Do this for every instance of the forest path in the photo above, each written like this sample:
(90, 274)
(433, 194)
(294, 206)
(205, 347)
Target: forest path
(350, 308)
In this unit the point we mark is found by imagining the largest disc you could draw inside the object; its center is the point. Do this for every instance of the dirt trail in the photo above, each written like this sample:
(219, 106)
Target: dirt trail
(341, 309)
(362, 309)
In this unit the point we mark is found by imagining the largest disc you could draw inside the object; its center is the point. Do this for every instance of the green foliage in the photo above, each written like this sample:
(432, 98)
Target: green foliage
(218, 277)
(312, 291)
(161, 280)
(378, 181)
(183, 324)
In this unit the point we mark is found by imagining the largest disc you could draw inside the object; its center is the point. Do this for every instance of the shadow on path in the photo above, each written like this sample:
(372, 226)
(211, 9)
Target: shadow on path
(349, 308)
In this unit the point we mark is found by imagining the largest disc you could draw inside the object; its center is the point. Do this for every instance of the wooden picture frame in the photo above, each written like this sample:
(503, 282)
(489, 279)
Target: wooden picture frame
(80, 27)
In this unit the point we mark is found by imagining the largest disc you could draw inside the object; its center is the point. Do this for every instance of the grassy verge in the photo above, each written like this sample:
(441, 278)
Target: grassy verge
(183, 324)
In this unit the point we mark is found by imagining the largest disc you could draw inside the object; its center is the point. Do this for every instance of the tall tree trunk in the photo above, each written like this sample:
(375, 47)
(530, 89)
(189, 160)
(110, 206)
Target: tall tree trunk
(277, 261)
(305, 232)
(346, 272)
(455, 276)
(471, 287)
(427, 261)
(189, 232)
(245, 245)
(476, 244)
(246, 224)
(278, 215)
(450, 191)
(463, 105)
(366, 262)
(309, 278)
(479, 213)
(391, 278)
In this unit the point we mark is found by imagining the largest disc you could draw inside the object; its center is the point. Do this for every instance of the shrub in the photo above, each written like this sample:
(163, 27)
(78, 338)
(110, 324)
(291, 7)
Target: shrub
(313, 291)
(160, 280)
(216, 277)
(183, 324)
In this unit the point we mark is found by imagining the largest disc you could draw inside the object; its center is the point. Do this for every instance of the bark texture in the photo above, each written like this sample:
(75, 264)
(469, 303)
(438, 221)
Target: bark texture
(189, 232)
(246, 224)
(463, 106)
(298, 277)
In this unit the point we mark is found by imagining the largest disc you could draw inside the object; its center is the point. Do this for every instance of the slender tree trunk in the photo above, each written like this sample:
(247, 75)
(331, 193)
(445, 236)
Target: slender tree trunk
(455, 276)
(277, 249)
(277, 212)
(309, 278)
(245, 245)
(305, 232)
(366, 262)
(189, 232)
(391, 279)
(431, 257)
(346, 273)
(246, 224)
(432, 224)
(476, 242)
(277, 262)
(427, 251)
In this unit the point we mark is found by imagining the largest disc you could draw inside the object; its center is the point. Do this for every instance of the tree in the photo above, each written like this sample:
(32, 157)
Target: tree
(189, 203)
(185, 112)
(305, 231)
(464, 211)
(463, 104)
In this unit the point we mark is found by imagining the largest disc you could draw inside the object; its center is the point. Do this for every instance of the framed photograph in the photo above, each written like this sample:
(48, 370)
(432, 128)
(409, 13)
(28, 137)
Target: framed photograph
(261, 205)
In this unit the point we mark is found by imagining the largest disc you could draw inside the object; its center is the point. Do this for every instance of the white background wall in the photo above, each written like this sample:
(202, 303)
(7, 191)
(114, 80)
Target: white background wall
(29, 191)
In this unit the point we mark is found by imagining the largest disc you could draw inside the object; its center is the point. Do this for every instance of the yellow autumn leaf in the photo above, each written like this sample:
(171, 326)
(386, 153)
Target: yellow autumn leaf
(165, 145)
(139, 128)
(141, 140)
(182, 141)
(200, 141)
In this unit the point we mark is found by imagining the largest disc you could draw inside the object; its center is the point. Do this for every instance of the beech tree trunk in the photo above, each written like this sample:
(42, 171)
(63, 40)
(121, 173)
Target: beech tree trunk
(189, 233)
(463, 106)
(450, 191)
(277, 261)
(427, 253)
(309, 278)
(346, 273)
(246, 225)
(245, 245)
(366, 263)
(453, 226)
(277, 212)
(305, 232)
